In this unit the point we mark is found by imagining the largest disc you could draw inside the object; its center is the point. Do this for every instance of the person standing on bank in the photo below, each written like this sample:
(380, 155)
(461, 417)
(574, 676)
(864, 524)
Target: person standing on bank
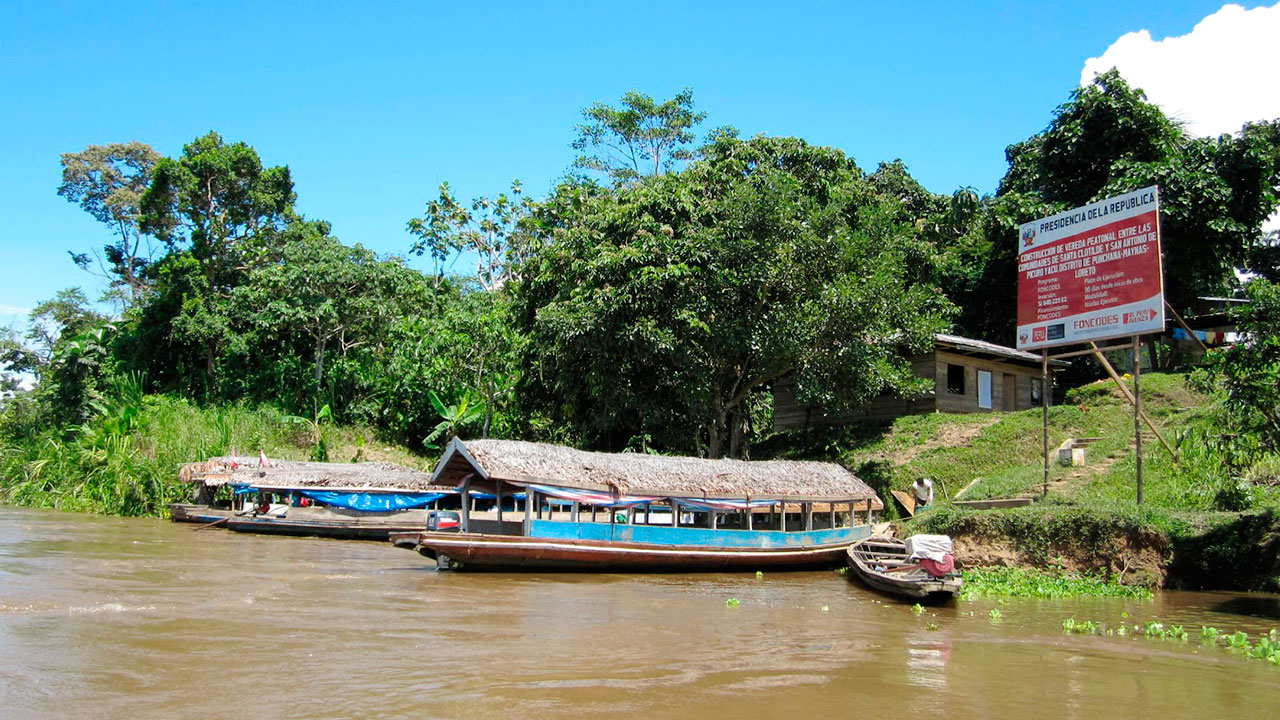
(922, 491)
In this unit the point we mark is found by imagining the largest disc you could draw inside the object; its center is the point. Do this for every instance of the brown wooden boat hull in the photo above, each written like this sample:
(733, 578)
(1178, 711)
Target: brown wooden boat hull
(472, 551)
(193, 513)
(933, 590)
(342, 529)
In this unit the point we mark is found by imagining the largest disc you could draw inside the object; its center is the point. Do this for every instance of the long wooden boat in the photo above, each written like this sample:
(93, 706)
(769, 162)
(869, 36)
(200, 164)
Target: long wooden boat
(636, 512)
(882, 563)
(477, 551)
(196, 513)
(299, 522)
(305, 522)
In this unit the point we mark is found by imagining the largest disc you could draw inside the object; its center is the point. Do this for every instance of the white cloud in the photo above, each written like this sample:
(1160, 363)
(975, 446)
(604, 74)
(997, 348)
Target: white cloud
(1215, 78)
(7, 310)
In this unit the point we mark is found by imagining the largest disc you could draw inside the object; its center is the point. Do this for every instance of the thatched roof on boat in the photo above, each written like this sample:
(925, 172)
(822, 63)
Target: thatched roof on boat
(522, 463)
(297, 474)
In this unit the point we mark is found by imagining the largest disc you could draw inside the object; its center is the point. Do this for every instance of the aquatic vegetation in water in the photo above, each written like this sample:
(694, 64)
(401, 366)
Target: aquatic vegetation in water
(917, 608)
(995, 615)
(931, 626)
(1267, 648)
(759, 574)
(1085, 627)
(1019, 582)
(732, 602)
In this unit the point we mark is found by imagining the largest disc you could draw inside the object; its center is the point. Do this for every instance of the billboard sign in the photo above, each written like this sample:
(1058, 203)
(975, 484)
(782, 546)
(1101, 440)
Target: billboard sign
(1091, 273)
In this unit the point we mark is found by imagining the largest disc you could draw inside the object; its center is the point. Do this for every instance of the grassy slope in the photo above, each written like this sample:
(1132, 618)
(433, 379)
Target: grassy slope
(1089, 519)
(1002, 451)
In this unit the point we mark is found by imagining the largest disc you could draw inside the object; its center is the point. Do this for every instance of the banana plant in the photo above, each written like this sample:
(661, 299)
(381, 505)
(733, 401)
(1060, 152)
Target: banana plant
(468, 409)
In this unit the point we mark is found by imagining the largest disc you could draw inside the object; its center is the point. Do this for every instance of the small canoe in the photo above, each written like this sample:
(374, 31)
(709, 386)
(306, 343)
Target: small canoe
(882, 564)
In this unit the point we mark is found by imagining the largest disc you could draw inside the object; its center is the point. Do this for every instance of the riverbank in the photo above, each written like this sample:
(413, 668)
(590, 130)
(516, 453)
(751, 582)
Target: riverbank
(1145, 548)
(1210, 518)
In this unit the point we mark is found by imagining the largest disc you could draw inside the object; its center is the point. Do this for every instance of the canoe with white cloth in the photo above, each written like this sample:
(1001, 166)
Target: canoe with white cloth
(894, 566)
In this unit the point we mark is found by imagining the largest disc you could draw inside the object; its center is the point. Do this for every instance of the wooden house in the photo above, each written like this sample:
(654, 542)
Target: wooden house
(968, 376)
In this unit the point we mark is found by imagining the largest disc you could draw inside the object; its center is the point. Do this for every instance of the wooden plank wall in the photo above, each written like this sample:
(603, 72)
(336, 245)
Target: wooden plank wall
(968, 402)
(788, 414)
(791, 415)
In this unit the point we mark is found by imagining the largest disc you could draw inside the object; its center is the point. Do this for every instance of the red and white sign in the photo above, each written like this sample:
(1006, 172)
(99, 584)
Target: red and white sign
(1091, 273)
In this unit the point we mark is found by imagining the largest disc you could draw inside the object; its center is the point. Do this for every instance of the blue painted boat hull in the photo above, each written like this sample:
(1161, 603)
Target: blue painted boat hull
(474, 551)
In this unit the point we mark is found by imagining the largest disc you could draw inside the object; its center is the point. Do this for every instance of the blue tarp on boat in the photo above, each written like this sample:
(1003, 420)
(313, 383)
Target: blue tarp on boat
(373, 502)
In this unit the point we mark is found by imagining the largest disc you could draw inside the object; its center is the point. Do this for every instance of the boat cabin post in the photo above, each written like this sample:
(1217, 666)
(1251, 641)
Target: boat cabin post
(466, 504)
(497, 492)
(529, 498)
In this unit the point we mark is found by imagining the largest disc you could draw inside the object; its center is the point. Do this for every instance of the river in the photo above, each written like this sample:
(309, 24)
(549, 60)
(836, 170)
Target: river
(136, 618)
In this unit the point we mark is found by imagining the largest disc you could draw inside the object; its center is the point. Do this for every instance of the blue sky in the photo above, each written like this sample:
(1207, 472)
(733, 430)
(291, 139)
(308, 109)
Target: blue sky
(372, 105)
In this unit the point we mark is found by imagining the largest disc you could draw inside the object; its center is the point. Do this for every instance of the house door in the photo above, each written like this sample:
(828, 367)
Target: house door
(984, 389)
(1010, 392)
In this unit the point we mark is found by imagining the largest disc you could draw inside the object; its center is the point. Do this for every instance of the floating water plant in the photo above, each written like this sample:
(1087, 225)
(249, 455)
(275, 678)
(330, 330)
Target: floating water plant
(1019, 582)
(732, 602)
(1238, 640)
(917, 608)
(995, 615)
(931, 626)
(760, 574)
(1267, 648)
(1086, 627)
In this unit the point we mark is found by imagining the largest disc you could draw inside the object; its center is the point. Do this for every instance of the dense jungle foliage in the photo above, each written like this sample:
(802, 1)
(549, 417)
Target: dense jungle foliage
(648, 302)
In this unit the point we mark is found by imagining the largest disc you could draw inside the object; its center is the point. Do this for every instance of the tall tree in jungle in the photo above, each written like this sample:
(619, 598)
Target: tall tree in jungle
(489, 229)
(664, 307)
(639, 137)
(1107, 140)
(219, 206)
(313, 302)
(107, 181)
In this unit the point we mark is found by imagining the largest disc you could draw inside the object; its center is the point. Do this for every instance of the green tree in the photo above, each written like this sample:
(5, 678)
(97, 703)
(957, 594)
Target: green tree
(639, 137)
(1215, 192)
(218, 204)
(464, 351)
(490, 230)
(315, 298)
(107, 181)
(665, 306)
(67, 349)
(1107, 140)
(1248, 373)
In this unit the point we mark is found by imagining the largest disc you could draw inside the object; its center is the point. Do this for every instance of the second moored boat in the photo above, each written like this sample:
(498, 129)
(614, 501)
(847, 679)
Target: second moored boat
(637, 512)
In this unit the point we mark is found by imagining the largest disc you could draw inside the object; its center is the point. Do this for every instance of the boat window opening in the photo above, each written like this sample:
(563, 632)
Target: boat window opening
(955, 379)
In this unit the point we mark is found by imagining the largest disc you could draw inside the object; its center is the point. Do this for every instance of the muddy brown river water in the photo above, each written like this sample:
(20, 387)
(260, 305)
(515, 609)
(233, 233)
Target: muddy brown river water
(127, 618)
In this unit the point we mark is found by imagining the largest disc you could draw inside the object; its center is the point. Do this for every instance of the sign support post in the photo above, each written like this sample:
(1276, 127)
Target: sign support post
(1137, 410)
(1045, 397)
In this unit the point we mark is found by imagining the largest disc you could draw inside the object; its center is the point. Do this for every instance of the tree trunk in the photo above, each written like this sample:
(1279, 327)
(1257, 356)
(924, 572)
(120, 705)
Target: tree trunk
(320, 343)
(488, 409)
(735, 434)
(210, 366)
